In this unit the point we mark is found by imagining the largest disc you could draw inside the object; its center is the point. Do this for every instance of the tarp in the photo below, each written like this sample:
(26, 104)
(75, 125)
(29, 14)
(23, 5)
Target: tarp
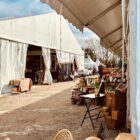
(103, 17)
(89, 63)
(41, 30)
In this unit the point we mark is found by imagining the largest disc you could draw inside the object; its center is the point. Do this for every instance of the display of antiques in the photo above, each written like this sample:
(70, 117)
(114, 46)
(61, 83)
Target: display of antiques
(86, 85)
(115, 109)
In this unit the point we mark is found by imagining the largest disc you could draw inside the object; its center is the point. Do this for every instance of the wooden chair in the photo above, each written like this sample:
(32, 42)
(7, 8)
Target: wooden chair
(63, 134)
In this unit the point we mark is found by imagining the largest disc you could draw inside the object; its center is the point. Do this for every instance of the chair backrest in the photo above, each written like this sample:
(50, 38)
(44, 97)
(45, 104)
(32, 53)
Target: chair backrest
(63, 134)
(99, 88)
(92, 138)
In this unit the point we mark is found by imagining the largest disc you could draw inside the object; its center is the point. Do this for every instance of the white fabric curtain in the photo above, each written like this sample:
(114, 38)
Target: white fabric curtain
(79, 61)
(0, 66)
(64, 57)
(47, 60)
(13, 60)
(71, 58)
(134, 15)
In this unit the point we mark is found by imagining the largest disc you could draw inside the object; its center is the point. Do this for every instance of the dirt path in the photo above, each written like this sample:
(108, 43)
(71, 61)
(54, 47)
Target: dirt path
(42, 119)
(37, 93)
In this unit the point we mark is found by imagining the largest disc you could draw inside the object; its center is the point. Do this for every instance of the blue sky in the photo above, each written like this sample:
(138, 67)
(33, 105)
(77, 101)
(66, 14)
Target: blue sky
(21, 8)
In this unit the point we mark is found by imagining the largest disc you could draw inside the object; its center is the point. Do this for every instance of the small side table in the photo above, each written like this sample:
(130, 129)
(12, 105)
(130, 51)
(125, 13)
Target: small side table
(89, 98)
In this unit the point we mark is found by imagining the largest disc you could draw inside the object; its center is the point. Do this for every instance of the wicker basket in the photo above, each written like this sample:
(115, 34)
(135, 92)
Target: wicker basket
(92, 138)
(82, 82)
(63, 134)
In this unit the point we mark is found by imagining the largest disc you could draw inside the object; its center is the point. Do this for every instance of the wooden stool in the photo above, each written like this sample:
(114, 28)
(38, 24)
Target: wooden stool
(92, 138)
(125, 136)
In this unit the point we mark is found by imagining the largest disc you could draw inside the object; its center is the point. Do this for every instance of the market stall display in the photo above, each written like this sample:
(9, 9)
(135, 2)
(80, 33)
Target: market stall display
(115, 109)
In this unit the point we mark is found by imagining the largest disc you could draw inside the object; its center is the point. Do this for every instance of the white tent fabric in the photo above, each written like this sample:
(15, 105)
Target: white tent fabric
(134, 69)
(63, 57)
(72, 58)
(97, 63)
(79, 62)
(41, 30)
(103, 17)
(89, 63)
(47, 60)
(13, 60)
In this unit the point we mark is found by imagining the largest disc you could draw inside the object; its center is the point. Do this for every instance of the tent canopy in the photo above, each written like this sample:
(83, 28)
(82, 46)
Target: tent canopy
(96, 15)
(41, 30)
(89, 63)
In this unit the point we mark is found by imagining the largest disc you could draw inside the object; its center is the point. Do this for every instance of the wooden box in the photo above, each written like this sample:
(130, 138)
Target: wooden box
(115, 115)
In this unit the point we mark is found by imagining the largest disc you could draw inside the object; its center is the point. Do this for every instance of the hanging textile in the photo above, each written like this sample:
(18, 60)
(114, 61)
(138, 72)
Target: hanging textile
(64, 57)
(0, 66)
(47, 61)
(21, 59)
(134, 68)
(79, 61)
(71, 58)
(13, 60)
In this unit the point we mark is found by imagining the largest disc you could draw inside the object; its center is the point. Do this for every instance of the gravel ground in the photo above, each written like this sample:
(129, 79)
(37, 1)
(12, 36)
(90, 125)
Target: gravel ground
(42, 119)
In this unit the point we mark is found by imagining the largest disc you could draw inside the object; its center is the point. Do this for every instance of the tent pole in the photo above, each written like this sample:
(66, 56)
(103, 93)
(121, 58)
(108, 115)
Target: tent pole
(123, 35)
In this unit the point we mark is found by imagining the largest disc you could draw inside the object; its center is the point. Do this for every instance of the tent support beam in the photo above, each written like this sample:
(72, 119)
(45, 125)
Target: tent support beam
(116, 48)
(115, 43)
(115, 30)
(103, 13)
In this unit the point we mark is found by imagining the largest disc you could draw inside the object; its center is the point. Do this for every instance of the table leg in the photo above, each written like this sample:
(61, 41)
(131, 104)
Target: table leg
(88, 112)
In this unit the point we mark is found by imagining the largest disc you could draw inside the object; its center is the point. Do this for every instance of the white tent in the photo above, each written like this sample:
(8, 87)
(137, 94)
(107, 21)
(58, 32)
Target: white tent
(89, 63)
(49, 31)
(97, 63)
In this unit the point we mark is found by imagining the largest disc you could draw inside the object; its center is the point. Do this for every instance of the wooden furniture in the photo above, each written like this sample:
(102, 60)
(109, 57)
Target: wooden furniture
(20, 85)
(116, 113)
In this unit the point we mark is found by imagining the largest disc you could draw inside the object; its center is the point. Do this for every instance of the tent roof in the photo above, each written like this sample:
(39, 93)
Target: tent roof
(103, 17)
(41, 30)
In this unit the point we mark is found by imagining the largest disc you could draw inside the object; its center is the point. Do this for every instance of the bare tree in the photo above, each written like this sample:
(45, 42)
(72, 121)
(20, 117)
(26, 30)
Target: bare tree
(93, 48)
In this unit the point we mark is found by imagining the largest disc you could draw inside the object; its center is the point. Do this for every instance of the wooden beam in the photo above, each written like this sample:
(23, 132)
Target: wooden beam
(103, 13)
(117, 47)
(115, 43)
(119, 50)
(115, 30)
